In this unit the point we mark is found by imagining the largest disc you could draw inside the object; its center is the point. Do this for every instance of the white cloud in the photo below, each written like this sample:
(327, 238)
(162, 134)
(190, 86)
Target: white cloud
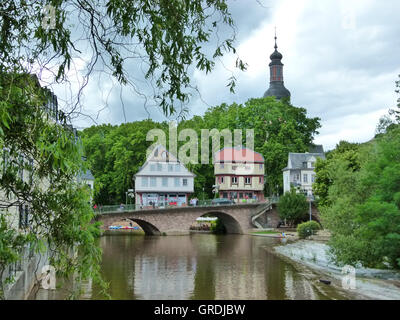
(341, 61)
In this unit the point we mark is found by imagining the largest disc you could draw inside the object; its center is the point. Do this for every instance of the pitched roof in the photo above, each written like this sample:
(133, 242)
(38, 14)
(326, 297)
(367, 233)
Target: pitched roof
(160, 154)
(238, 154)
(296, 159)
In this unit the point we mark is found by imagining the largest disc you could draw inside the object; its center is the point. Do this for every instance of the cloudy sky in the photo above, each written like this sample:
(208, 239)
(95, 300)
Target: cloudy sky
(341, 59)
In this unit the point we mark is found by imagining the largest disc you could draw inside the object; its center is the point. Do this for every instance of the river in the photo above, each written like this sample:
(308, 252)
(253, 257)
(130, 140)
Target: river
(196, 266)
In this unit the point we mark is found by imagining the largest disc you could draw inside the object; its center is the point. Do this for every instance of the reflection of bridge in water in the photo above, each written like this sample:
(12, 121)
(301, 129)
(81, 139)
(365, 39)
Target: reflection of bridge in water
(237, 219)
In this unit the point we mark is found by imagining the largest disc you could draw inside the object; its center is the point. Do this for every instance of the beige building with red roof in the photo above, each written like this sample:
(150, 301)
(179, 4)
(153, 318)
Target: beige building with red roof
(239, 174)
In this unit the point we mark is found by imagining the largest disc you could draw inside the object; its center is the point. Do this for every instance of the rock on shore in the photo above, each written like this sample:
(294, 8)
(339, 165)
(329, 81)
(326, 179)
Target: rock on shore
(370, 283)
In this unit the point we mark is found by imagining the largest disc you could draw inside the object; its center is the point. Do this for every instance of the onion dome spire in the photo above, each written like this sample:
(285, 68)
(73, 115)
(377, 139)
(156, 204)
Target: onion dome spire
(276, 86)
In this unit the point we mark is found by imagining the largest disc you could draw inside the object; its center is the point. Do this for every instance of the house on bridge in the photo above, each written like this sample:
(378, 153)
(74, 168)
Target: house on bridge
(163, 180)
(239, 174)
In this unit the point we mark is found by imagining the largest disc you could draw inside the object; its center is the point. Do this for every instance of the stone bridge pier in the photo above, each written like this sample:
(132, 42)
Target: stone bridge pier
(236, 218)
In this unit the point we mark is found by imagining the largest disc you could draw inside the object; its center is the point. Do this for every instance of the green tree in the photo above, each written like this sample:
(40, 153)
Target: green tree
(115, 153)
(60, 216)
(363, 211)
(279, 128)
(345, 152)
(167, 37)
(395, 112)
(392, 119)
(293, 207)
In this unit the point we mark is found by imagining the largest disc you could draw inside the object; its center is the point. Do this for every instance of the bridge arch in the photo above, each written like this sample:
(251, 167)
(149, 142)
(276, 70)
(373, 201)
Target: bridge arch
(148, 228)
(230, 223)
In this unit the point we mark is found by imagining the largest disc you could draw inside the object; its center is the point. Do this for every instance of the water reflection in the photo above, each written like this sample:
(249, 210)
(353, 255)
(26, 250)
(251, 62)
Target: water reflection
(200, 266)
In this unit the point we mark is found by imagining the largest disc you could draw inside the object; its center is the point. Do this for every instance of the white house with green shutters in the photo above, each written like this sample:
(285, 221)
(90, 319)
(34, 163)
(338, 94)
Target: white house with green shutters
(163, 180)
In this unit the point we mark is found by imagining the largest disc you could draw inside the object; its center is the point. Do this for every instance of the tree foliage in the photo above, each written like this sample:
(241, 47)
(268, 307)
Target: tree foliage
(363, 206)
(344, 153)
(306, 229)
(167, 38)
(41, 160)
(116, 153)
(293, 207)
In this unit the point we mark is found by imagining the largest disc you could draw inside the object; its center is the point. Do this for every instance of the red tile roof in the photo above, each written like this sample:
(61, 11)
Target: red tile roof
(238, 155)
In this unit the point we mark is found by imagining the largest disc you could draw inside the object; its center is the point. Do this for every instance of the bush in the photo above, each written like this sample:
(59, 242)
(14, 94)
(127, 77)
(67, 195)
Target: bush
(293, 207)
(307, 229)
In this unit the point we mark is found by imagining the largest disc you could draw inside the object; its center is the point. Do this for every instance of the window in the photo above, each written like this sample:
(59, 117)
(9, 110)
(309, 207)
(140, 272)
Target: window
(184, 182)
(240, 195)
(247, 180)
(176, 180)
(261, 166)
(260, 180)
(221, 165)
(5, 159)
(313, 178)
(304, 164)
(159, 167)
(305, 177)
(234, 180)
(23, 216)
(170, 168)
(30, 170)
(221, 179)
(312, 164)
(21, 167)
(152, 167)
(144, 181)
(153, 181)
(225, 195)
(165, 182)
(177, 167)
(297, 177)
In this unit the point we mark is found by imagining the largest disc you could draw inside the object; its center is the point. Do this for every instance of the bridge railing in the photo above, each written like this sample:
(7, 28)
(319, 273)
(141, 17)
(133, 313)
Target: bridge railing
(201, 203)
(114, 208)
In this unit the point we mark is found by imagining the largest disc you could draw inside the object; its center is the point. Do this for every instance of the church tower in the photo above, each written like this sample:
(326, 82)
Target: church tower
(276, 86)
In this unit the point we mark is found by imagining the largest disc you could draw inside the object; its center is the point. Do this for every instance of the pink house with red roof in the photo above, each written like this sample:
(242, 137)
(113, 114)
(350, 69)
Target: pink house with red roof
(239, 174)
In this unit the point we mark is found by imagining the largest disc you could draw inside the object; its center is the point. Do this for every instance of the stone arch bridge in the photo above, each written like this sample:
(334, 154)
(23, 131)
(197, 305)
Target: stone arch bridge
(237, 219)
